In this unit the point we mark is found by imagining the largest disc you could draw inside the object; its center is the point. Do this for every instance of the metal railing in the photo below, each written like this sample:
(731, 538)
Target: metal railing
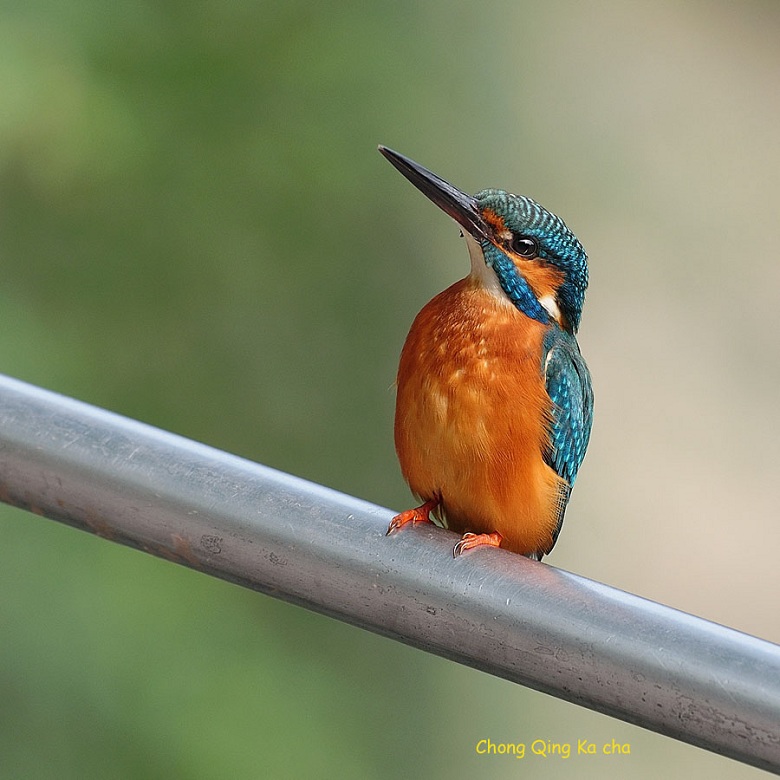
(528, 622)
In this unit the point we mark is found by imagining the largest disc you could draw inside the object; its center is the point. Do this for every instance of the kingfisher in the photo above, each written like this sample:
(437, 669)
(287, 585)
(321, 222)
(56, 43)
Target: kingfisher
(494, 401)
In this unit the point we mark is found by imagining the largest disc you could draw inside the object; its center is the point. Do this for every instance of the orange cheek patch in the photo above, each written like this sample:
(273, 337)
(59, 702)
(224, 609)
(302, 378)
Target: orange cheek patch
(543, 278)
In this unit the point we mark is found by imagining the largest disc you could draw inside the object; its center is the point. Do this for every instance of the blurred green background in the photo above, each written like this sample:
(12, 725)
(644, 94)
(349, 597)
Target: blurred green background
(196, 231)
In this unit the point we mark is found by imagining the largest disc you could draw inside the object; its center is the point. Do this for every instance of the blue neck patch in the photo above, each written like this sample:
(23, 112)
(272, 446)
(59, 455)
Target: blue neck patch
(514, 284)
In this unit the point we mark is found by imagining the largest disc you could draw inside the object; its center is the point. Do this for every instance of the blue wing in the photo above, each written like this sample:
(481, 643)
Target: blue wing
(568, 384)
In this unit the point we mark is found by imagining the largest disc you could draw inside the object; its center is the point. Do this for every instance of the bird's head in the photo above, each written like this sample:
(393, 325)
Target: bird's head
(517, 247)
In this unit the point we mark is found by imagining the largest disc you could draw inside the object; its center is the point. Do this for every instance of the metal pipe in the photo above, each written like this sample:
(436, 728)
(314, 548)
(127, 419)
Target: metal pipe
(525, 621)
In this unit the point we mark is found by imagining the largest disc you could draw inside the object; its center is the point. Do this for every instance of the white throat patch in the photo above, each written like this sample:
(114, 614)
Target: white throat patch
(482, 271)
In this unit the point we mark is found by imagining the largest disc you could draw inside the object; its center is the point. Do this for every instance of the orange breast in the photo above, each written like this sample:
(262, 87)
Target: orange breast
(472, 417)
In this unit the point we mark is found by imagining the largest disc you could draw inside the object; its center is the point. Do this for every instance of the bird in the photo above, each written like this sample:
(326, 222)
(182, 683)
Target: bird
(494, 402)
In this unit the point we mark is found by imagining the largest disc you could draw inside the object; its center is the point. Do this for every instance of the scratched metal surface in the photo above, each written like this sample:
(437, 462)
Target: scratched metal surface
(524, 621)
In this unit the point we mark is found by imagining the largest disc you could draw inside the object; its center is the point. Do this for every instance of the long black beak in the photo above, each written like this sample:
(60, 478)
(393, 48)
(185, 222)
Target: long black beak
(461, 207)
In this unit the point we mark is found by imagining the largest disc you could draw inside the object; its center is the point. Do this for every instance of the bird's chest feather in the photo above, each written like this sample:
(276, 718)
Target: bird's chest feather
(470, 385)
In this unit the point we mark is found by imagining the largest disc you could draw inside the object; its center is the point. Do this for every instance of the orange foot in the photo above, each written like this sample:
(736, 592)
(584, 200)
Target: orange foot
(422, 514)
(470, 541)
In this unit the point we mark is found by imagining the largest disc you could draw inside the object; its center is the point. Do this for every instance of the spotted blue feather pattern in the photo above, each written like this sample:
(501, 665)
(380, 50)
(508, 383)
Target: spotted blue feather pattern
(567, 380)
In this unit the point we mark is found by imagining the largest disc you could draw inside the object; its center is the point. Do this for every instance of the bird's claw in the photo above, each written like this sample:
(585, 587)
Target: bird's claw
(469, 541)
(420, 514)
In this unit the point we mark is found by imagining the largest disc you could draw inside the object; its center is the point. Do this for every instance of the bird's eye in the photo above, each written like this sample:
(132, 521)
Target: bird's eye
(524, 246)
